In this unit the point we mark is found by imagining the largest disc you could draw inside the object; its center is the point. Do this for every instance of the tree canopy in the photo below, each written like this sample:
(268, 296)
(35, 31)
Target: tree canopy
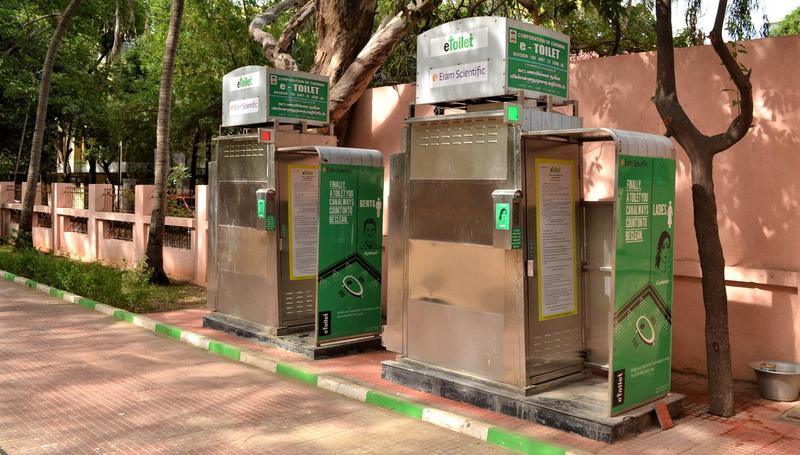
(790, 25)
(104, 92)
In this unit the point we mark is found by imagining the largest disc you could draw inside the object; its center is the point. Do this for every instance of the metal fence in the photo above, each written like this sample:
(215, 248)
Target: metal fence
(15, 192)
(180, 202)
(44, 220)
(45, 195)
(119, 200)
(119, 230)
(75, 197)
(178, 237)
(77, 224)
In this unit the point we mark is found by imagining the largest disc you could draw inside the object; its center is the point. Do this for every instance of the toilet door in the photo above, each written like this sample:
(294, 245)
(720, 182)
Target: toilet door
(298, 220)
(553, 260)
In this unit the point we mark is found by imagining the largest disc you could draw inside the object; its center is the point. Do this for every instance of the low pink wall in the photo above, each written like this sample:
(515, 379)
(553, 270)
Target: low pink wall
(758, 192)
(96, 244)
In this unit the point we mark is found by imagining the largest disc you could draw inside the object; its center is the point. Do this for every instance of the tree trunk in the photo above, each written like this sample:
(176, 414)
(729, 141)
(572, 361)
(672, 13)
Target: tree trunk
(715, 298)
(106, 165)
(155, 253)
(21, 142)
(67, 153)
(193, 160)
(343, 28)
(701, 150)
(92, 171)
(26, 219)
(208, 154)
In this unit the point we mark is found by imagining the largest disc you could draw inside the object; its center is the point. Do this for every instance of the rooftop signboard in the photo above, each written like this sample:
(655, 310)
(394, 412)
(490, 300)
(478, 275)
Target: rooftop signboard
(480, 57)
(256, 95)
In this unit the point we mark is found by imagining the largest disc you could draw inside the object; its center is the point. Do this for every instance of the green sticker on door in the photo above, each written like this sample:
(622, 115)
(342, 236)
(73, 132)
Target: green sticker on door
(502, 216)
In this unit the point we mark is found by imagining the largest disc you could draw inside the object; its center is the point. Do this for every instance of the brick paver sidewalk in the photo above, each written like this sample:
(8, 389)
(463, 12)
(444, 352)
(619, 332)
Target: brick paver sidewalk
(74, 381)
(756, 429)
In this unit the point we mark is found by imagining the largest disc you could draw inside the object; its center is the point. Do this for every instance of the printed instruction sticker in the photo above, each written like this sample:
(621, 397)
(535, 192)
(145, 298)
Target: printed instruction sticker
(557, 238)
(303, 221)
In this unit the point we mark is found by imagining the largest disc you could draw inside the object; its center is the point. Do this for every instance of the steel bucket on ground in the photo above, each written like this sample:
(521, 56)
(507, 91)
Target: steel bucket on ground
(778, 381)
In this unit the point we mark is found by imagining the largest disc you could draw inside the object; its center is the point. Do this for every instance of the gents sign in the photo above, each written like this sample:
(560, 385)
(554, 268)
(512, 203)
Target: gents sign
(642, 339)
(295, 96)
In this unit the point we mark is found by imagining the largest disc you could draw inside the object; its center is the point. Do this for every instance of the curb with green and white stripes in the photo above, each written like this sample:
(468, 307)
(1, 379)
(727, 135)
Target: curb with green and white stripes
(485, 432)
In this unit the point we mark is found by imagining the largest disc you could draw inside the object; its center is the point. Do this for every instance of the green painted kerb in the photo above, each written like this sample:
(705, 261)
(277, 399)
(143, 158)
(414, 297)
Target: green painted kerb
(521, 444)
(124, 315)
(395, 404)
(86, 303)
(31, 284)
(169, 330)
(224, 349)
(57, 293)
(293, 372)
(9, 276)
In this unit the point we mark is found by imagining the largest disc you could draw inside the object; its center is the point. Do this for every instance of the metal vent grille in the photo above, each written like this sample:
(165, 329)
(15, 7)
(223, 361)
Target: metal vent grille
(243, 149)
(298, 307)
(459, 133)
(556, 347)
(460, 149)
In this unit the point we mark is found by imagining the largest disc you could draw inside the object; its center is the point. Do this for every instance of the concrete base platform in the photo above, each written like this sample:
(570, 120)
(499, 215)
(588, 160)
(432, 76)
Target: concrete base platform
(580, 407)
(299, 340)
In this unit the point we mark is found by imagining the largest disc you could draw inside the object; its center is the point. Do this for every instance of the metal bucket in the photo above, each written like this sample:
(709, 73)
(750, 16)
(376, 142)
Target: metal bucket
(778, 381)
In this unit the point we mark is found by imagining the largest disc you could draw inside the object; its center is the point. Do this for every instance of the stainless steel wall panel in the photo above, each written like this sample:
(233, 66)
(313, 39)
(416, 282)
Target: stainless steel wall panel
(245, 253)
(454, 211)
(599, 222)
(456, 338)
(211, 266)
(395, 285)
(457, 274)
(237, 204)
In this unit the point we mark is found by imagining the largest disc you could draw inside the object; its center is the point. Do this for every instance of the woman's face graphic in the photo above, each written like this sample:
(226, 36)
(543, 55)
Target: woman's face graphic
(665, 252)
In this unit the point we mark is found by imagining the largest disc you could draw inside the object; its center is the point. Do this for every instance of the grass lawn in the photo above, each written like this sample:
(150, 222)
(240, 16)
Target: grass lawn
(127, 289)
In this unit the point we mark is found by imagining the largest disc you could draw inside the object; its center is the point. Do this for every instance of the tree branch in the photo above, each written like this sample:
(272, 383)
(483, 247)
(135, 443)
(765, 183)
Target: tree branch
(533, 8)
(666, 100)
(256, 28)
(281, 56)
(359, 74)
(741, 78)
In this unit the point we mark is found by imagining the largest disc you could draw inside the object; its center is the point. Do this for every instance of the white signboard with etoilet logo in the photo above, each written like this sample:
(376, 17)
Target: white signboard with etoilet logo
(244, 96)
(482, 57)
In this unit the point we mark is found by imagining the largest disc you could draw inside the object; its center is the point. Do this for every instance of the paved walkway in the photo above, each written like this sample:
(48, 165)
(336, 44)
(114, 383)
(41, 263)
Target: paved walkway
(73, 381)
(756, 429)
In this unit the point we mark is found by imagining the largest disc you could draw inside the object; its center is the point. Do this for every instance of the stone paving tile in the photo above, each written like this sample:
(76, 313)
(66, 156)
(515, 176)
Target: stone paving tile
(73, 381)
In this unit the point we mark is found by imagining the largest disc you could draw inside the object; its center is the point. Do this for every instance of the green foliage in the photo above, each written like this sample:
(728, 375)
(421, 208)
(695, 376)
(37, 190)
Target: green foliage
(790, 25)
(177, 175)
(126, 289)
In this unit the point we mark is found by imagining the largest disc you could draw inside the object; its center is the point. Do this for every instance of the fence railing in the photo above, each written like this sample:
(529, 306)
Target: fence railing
(75, 197)
(45, 195)
(180, 202)
(15, 192)
(118, 200)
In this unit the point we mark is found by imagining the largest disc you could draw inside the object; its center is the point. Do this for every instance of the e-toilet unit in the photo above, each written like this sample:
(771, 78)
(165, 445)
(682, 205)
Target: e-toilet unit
(295, 222)
(507, 285)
